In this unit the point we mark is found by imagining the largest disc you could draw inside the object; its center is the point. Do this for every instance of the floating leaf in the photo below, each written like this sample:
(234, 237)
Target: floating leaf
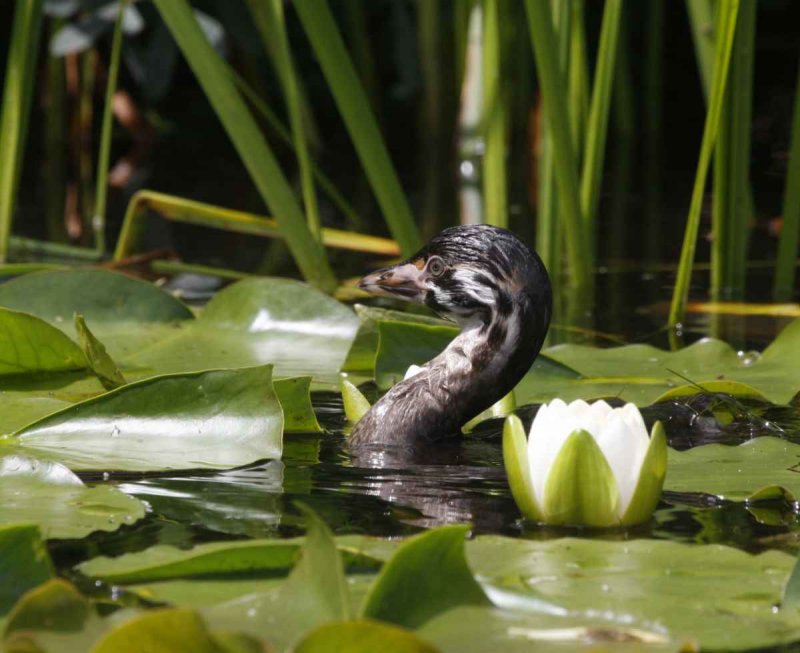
(101, 296)
(472, 629)
(97, 356)
(24, 563)
(402, 344)
(18, 411)
(298, 329)
(733, 388)
(317, 583)
(51, 496)
(361, 357)
(251, 558)
(738, 472)
(53, 605)
(220, 418)
(362, 636)
(28, 344)
(167, 630)
(295, 397)
(722, 597)
(427, 575)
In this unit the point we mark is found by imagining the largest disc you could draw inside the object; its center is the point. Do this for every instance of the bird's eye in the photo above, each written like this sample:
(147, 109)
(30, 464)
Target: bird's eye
(435, 267)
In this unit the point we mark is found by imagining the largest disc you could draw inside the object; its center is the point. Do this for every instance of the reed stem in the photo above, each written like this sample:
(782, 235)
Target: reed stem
(729, 10)
(17, 97)
(104, 154)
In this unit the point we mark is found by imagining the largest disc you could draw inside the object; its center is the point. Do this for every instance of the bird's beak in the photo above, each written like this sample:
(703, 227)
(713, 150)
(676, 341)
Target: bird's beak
(403, 281)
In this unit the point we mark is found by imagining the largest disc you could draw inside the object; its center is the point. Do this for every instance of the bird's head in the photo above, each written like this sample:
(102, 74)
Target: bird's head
(467, 273)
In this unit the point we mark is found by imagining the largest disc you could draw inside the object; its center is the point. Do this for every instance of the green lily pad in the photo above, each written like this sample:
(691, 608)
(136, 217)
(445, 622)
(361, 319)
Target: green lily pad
(317, 583)
(214, 419)
(51, 496)
(362, 636)
(53, 605)
(166, 630)
(97, 356)
(210, 560)
(427, 575)
(18, 411)
(28, 344)
(722, 597)
(402, 344)
(295, 396)
(471, 629)
(24, 563)
(733, 388)
(738, 472)
(291, 325)
(101, 296)
(361, 357)
(774, 373)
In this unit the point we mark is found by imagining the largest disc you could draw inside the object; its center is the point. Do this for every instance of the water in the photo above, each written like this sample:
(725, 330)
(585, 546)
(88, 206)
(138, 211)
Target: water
(461, 482)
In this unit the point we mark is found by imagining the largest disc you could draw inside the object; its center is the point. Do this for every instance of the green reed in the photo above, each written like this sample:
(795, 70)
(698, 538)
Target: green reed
(17, 97)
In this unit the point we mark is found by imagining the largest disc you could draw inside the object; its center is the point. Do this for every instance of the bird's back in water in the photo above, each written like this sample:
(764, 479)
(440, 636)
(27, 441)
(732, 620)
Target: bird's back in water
(496, 288)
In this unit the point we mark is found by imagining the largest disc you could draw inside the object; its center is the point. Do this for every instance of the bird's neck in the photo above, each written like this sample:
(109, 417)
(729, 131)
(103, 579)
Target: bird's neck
(488, 358)
(481, 365)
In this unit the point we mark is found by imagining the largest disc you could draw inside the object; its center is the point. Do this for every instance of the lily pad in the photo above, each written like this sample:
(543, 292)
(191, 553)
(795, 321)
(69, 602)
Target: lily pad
(97, 356)
(214, 419)
(24, 563)
(251, 558)
(298, 329)
(722, 597)
(361, 357)
(51, 496)
(53, 605)
(471, 629)
(19, 411)
(101, 296)
(736, 473)
(427, 575)
(402, 344)
(28, 345)
(774, 373)
(167, 630)
(362, 636)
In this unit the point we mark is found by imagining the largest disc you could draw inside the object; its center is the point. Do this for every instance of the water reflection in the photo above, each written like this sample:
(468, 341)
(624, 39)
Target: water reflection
(398, 492)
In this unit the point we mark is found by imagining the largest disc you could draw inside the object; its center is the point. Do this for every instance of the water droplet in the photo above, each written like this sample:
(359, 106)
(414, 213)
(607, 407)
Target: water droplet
(748, 358)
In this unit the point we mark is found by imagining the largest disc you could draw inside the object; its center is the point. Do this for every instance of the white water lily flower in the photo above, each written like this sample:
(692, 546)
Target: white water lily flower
(585, 464)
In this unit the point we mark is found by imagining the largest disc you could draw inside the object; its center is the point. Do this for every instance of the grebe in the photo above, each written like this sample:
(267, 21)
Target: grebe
(497, 290)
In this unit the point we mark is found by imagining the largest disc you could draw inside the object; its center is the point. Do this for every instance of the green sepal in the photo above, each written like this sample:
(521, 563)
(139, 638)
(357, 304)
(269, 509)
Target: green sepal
(355, 403)
(580, 488)
(651, 479)
(518, 469)
(500, 408)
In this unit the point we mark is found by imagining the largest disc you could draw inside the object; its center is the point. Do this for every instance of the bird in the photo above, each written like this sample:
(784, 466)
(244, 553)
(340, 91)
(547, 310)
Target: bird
(496, 288)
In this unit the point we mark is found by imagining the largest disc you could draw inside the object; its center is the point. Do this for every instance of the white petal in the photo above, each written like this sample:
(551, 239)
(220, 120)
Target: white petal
(622, 448)
(596, 417)
(636, 423)
(547, 436)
